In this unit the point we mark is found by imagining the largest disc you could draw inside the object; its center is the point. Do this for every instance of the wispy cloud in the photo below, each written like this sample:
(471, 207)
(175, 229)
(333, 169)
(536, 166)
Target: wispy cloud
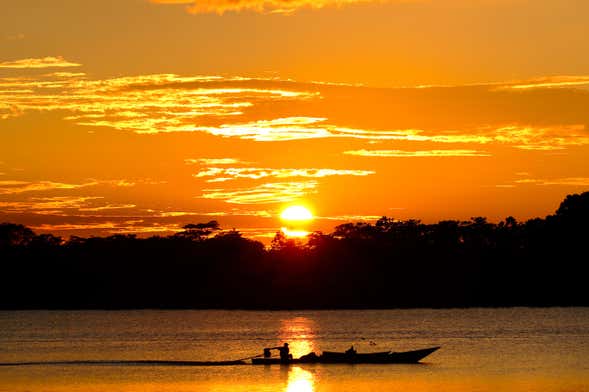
(528, 137)
(66, 74)
(570, 181)
(259, 232)
(543, 138)
(552, 82)
(261, 6)
(301, 128)
(280, 129)
(44, 62)
(48, 205)
(212, 161)
(141, 104)
(111, 227)
(269, 193)
(294, 233)
(11, 187)
(232, 173)
(108, 207)
(351, 218)
(237, 107)
(230, 212)
(62, 205)
(423, 153)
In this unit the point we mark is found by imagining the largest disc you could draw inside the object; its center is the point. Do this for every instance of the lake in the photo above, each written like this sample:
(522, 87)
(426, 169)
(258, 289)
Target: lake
(513, 349)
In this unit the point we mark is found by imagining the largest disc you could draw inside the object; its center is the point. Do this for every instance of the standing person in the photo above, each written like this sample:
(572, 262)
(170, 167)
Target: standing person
(285, 356)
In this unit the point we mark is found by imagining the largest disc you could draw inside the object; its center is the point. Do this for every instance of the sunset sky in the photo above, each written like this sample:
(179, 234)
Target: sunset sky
(138, 116)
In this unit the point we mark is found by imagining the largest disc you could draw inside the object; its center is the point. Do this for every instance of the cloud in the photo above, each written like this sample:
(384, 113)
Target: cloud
(272, 110)
(75, 226)
(142, 104)
(67, 74)
(44, 62)
(543, 138)
(61, 205)
(260, 232)
(301, 128)
(213, 161)
(107, 207)
(351, 218)
(232, 173)
(47, 205)
(280, 129)
(231, 212)
(11, 187)
(552, 82)
(570, 181)
(279, 192)
(261, 6)
(423, 153)
(111, 227)
(294, 233)
(287, 7)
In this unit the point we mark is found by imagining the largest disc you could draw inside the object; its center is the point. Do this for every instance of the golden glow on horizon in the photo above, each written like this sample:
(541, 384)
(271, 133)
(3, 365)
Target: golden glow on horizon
(94, 140)
(168, 103)
(294, 233)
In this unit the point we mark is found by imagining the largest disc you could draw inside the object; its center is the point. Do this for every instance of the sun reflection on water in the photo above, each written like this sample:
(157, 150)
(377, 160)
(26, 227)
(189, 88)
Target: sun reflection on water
(300, 380)
(299, 333)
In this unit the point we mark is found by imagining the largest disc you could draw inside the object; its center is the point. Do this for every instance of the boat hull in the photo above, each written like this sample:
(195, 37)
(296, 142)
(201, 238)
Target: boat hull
(331, 357)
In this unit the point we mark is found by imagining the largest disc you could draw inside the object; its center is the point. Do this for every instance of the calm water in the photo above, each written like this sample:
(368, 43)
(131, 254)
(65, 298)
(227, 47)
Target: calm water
(517, 349)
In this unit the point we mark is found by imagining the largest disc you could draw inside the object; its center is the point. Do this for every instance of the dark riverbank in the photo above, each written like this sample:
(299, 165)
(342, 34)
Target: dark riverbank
(389, 264)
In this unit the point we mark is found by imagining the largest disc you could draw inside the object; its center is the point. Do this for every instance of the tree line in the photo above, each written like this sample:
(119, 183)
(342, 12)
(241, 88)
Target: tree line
(388, 264)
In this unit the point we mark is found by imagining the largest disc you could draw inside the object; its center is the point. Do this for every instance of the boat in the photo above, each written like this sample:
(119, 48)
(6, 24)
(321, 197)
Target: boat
(334, 357)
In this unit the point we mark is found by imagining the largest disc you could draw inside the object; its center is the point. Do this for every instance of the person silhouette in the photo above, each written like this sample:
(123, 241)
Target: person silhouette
(285, 355)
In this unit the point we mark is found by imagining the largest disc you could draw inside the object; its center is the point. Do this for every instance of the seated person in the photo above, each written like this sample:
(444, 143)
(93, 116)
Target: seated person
(351, 351)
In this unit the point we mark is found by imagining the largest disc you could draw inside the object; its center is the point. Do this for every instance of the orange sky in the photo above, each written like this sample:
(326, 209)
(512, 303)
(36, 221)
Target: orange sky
(142, 116)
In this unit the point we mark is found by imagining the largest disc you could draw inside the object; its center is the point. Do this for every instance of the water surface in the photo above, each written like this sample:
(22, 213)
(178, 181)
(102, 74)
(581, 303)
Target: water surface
(516, 349)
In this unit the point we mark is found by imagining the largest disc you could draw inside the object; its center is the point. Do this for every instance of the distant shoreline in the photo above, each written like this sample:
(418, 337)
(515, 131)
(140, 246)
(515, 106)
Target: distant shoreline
(390, 264)
(292, 309)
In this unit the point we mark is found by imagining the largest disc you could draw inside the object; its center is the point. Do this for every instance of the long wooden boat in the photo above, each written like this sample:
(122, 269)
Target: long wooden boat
(384, 357)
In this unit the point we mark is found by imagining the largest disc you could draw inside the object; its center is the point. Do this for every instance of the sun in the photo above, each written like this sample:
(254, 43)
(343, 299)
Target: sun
(296, 213)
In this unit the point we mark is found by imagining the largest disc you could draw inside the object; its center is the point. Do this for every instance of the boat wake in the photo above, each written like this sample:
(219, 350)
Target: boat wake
(125, 363)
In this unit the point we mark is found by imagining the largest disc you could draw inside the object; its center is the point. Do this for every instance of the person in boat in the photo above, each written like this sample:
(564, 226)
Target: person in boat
(285, 355)
(351, 351)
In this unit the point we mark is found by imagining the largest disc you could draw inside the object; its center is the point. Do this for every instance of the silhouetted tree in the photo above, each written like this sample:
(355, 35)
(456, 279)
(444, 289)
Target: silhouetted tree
(199, 231)
(391, 263)
(15, 235)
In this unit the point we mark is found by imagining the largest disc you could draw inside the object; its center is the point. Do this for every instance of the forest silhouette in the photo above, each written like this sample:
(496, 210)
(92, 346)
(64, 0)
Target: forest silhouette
(389, 264)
